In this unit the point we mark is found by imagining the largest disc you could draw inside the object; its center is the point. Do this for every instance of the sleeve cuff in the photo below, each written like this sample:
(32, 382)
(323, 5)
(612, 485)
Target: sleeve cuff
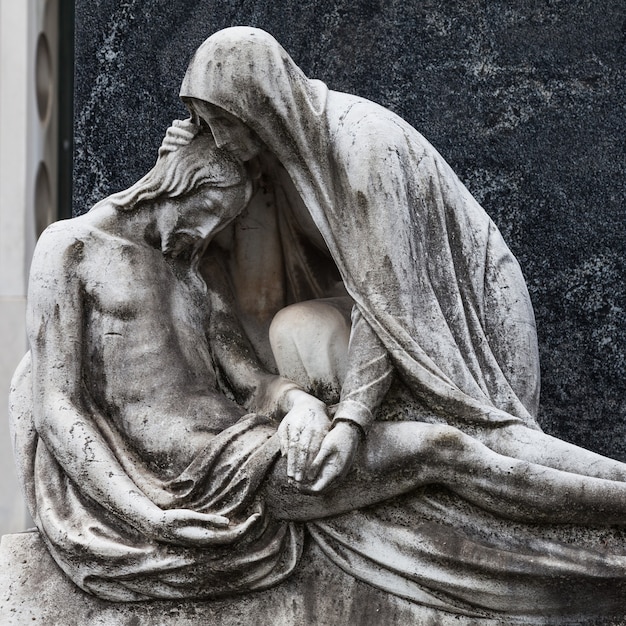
(355, 412)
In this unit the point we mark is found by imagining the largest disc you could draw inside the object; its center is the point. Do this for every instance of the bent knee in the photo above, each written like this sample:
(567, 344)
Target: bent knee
(307, 320)
(413, 445)
(309, 341)
(447, 443)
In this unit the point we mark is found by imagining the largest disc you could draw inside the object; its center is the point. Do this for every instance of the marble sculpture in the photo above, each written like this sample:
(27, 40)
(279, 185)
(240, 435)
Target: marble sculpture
(300, 321)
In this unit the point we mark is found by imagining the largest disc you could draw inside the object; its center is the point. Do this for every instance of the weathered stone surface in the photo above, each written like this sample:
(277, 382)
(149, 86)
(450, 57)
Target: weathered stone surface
(515, 97)
(34, 591)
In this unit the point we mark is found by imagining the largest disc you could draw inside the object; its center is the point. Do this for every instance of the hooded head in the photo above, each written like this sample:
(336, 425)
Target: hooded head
(248, 74)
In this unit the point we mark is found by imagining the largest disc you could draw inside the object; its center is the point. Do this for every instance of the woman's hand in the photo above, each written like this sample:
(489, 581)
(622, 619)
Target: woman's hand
(180, 133)
(301, 433)
(335, 457)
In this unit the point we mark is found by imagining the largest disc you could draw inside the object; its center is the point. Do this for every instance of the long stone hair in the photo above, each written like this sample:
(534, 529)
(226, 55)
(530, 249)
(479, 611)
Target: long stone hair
(180, 169)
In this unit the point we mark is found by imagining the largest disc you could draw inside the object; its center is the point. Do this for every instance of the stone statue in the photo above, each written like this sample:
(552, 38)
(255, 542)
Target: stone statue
(301, 320)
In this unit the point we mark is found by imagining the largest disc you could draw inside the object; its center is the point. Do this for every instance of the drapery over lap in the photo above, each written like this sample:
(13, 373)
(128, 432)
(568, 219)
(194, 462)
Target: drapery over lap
(106, 556)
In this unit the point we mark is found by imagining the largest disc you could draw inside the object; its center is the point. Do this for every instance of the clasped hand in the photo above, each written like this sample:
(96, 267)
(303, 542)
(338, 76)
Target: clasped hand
(317, 455)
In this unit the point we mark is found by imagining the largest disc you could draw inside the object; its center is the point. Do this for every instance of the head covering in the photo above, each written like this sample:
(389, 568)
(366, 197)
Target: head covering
(246, 72)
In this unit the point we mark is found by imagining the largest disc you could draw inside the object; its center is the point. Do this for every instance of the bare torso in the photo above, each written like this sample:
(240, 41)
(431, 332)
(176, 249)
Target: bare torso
(147, 361)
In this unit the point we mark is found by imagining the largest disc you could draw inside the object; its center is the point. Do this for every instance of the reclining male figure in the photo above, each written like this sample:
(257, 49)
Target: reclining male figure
(123, 326)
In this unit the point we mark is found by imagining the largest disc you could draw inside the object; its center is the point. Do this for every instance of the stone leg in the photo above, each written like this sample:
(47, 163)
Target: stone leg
(515, 472)
(540, 448)
(399, 457)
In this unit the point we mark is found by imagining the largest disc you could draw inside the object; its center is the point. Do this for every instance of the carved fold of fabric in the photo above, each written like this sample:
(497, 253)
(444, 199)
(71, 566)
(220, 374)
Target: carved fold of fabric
(368, 378)
(225, 475)
(106, 556)
(432, 247)
(437, 549)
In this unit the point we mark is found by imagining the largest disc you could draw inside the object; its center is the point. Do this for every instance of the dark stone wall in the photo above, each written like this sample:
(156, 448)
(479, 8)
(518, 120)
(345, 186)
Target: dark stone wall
(525, 99)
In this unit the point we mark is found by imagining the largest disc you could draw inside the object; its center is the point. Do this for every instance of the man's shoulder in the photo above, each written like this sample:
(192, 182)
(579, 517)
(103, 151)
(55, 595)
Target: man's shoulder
(67, 232)
(62, 245)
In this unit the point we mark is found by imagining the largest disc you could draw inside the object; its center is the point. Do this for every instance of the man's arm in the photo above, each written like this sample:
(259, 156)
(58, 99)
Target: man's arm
(253, 386)
(55, 319)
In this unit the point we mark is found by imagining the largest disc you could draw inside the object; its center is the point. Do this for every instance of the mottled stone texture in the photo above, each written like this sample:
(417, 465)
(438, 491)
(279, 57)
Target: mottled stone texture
(35, 591)
(525, 100)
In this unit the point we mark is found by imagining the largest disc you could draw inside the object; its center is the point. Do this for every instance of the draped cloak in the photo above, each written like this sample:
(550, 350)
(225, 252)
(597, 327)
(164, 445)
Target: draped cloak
(431, 275)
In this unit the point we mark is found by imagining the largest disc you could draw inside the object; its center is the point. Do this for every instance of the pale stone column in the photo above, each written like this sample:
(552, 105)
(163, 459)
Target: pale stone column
(28, 140)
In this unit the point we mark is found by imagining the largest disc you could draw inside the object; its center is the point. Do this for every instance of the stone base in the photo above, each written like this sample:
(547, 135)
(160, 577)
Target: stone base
(33, 590)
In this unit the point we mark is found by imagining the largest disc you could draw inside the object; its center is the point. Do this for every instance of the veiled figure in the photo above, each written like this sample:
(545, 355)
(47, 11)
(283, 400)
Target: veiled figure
(442, 332)
(358, 271)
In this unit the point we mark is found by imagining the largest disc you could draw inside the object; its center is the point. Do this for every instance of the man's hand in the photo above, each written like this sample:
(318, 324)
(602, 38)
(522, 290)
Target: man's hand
(335, 457)
(301, 433)
(190, 528)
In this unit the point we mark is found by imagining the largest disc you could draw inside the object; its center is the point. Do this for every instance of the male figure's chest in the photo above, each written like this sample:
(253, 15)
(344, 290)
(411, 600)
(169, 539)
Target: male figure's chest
(128, 284)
